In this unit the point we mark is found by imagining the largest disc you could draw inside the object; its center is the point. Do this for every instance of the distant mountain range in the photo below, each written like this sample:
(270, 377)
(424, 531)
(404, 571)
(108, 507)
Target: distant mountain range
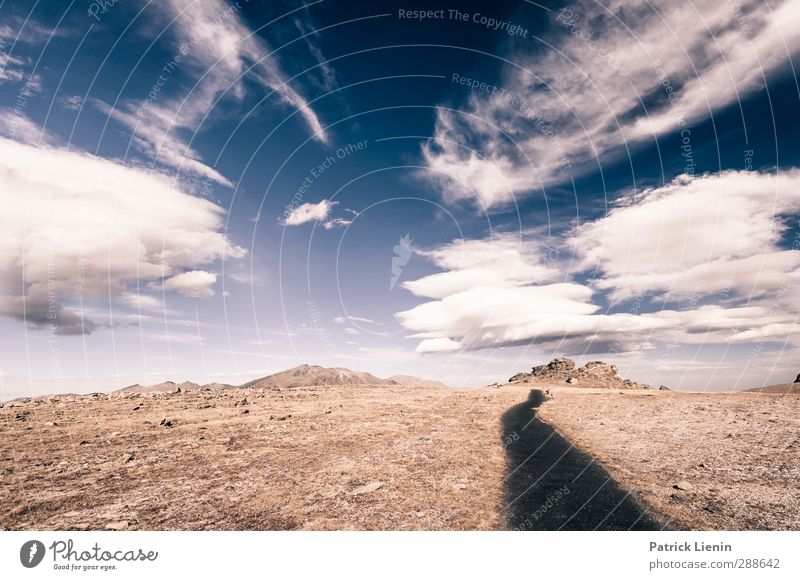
(300, 376)
(410, 381)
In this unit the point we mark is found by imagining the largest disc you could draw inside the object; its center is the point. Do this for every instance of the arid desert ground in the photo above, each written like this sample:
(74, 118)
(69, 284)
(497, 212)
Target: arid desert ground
(396, 457)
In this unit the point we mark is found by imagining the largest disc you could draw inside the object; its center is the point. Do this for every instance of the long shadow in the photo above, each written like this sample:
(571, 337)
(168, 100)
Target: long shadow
(551, 485)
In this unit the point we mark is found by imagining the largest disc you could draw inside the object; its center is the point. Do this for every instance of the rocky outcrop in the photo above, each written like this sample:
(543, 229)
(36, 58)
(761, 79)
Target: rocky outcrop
(556, 368)
(597, 374)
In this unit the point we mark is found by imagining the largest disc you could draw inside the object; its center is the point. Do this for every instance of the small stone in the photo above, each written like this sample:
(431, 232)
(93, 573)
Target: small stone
(117, 526)
(572, 380)
(128, 457)
(246, 412)
(137, 407)
(368, 488)
(461, 486)
(167, 422)
(683, 486)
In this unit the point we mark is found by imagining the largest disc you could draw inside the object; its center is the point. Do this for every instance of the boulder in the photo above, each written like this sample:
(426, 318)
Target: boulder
(555, 367)
(663, 388)
(368, 488)
(597, 367)
(797, 380)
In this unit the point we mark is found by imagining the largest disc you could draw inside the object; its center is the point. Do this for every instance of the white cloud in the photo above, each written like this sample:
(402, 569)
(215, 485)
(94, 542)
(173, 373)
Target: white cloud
(72, 102)
(579, 103)
(195, 283)
(11, 70)
(90, 228)
(439, 345)
(309, 212)
(141, 301)
(16, 34)
(505, 260)
(336, 223)
(214, 44)
(490, 315)
(16, 125)
(346, 319)
(712, 234)
(713, 246)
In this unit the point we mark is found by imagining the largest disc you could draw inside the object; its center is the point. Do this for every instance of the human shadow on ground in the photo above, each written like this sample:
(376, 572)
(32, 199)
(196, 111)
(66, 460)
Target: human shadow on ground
(551, 485)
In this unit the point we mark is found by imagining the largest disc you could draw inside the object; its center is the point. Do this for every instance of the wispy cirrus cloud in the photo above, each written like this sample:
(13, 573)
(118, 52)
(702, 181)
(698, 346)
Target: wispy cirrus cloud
(614, 77)
(17, 35)
(214, 46)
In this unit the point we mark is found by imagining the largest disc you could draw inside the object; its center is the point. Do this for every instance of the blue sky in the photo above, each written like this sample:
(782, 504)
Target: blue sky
(213, 191)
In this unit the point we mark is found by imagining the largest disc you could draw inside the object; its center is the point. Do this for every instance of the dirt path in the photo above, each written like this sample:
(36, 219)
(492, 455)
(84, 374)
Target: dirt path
(551, 485)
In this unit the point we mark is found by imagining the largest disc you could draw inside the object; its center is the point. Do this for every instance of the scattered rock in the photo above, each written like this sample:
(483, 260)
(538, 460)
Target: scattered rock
(117, 526)
(167, 422)
(279, 418)
(246, 412)
(664, 388)
(368, 488)
(241, 403)
(128, 457)
(683, 486)
(572, 380)
(137, 407)
(460, 486)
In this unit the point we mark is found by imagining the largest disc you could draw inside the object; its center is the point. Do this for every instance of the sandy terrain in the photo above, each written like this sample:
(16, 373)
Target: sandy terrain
(353, 457)
(739, 452)
(391, 457)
